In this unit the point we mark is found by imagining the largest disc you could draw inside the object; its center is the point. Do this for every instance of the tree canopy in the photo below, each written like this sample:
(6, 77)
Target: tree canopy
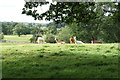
(62, 11)
(71, 12)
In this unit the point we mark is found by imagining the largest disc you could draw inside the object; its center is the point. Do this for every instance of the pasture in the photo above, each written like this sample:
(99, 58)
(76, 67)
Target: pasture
(59, 60)
(22, 38)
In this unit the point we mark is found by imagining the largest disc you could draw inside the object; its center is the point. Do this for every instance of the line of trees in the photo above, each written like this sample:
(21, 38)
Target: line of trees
(104, 29)
(9, 28)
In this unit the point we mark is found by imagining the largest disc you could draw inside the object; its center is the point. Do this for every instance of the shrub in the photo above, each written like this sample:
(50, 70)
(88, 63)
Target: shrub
(1, 36)
(32, 39)
(50, 38)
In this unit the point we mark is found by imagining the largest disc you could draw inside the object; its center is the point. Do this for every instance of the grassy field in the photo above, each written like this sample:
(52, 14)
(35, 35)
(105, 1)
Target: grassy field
(22, 38)
(59, 61)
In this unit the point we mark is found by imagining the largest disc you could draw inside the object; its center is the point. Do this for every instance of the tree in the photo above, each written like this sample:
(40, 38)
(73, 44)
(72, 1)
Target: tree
(26, 29)
(50, 38)
(81, 32)
(19, 29)
(72, 12)
(62, 11)
(4, 28)
(116, 15)
(1, 36)
(64, 34)
(37, 32)
(38, 26)
(7, 27)
(30, 25)
(110, 30)
(52, 29)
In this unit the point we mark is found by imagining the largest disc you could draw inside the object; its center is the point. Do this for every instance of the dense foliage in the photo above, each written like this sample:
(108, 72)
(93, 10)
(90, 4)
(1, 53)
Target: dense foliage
(50, 38)
(72, 12)
(1, 36)
(62, 11)
(10, 28)
(64, 34)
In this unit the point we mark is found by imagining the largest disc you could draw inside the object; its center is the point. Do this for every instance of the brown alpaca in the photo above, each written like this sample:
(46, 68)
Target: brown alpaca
(93, 41)
(96, 42)
(59, 42)
(72, 41)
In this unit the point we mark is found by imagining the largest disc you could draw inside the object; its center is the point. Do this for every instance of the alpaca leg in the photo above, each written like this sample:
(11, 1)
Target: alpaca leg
(38, 41)
(75, 42)
(43, 41)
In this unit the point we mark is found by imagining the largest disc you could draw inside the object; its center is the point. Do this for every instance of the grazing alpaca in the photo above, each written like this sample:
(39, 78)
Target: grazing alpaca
(72, 41)
(40, 39)
(78, 42)
(59, 42)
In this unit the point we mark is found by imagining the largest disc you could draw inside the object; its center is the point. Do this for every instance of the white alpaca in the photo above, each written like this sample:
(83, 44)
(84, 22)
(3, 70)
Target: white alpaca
(78, 42)
(40, 39)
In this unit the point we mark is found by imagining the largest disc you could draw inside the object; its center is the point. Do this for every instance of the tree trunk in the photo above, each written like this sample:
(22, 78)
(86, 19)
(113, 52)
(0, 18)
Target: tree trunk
(18, 35)
(35, 40)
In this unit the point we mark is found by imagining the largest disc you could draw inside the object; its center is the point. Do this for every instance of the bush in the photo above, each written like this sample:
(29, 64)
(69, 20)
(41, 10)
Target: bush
(31, 39)
(1, 36)
(50, 38)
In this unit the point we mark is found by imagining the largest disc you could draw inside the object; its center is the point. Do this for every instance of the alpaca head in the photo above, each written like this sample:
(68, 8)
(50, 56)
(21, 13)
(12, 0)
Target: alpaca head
(74, 37)
(56, 39)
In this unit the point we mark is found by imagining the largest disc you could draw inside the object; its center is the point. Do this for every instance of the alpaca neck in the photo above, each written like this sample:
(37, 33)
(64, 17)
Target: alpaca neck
(56, 40)
(74, 39)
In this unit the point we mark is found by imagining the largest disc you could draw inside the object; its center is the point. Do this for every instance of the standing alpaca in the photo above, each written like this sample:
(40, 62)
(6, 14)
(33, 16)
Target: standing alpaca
(78, 42)
(72, 41)
(59, 42)
(40, 39)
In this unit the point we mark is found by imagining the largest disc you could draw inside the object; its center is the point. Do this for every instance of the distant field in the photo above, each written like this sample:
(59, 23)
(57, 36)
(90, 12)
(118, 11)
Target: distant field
(59, 61)
(23, 38)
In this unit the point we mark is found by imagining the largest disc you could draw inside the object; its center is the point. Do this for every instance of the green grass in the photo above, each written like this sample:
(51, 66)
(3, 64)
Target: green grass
(59, 61)
(22, 38)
